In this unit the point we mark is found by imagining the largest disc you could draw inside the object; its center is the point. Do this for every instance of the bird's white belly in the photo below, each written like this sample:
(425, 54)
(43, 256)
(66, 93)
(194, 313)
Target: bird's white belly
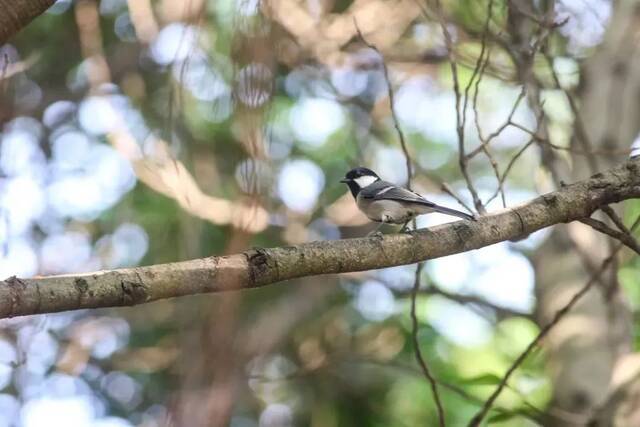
(386, 211)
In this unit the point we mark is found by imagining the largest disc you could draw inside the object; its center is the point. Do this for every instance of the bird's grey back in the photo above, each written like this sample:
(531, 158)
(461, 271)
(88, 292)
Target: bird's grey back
(386, 190)
(374, 188)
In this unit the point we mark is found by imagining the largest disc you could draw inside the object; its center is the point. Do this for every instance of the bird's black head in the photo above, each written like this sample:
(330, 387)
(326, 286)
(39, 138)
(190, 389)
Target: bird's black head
(359, 178)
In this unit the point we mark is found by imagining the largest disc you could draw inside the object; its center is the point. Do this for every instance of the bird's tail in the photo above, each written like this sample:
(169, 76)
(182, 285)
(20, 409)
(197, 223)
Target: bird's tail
(453, 212)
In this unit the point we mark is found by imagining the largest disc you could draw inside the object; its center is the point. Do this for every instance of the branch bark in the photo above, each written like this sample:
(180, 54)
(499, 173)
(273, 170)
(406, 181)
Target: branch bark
(16, 14)
(260, 267)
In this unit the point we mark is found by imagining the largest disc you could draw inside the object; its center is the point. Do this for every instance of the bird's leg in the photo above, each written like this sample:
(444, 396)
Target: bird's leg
(376, 232)
(404, 228)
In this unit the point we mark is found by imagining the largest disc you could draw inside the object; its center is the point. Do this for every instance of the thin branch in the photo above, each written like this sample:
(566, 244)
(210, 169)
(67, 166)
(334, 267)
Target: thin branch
(624, 238)
(464, 299)
(261, 267)
(447, 189)
(416, 348)
(542, 21)
(460, 114)
(414, 330)
(481, 63)
(477, 419)
(444, 187)
(509, 122)
(522, 53)
(390, 95)
(479, 69)
(616, 219)
(502, 179)
(513, 160)
(601, 152)
(583, 135)
(536, 414)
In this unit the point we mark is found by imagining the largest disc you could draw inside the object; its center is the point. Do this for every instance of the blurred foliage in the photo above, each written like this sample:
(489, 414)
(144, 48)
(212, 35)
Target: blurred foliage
(257, 117)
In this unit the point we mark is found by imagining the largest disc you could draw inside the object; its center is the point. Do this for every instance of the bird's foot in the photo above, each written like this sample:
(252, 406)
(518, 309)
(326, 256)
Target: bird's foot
(375, 233)
(405, 227)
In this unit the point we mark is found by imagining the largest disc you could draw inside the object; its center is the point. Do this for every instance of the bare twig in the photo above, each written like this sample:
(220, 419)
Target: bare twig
(623, 152)
(543, 21)
(416, 347)
(481, 63)
(624, 238)
(536, 415)
(583, 135)
(447, 189)
(513, 160)
(479, 70)
(616, 219)
(443, 186)
(484, 147)
(477, 419)
(390, 95)
(522, 52)
(474, 300)
(503, 178)
(414, 330)
(509, 122)
(460, 113)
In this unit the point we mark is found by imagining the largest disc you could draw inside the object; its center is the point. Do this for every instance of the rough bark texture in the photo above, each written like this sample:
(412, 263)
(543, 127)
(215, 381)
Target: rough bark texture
(585, 349)
(260, 267)
(16, 14)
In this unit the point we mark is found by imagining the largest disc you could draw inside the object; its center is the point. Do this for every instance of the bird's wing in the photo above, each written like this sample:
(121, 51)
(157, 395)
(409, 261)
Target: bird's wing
(382, 190)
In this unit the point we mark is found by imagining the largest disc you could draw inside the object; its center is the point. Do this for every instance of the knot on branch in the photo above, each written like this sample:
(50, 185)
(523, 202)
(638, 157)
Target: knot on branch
(551, 200)
(599, 181)
(261, 265)
(464, 232)
(553, 204)
(16, 289)
(523, 229)
(133, 292)
(82, 286)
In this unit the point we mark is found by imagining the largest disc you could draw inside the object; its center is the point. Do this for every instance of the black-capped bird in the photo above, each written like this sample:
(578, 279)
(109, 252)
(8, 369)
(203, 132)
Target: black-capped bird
(384, 202)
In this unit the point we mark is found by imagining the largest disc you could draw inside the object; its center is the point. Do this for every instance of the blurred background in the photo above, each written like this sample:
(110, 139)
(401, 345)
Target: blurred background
(141, 132)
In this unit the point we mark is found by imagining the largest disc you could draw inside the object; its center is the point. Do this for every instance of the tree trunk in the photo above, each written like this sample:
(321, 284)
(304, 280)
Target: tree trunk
(586, 346)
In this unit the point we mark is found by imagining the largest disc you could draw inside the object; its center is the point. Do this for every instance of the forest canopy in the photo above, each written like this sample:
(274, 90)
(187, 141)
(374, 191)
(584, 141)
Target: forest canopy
(160, 149)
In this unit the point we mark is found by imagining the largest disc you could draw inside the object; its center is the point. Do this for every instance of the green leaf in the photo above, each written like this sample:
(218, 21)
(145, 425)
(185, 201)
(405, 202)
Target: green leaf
(502, 416)
(484, 379)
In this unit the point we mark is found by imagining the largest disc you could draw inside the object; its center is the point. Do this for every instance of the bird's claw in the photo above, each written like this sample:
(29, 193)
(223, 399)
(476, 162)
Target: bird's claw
(375, 234)
(405, 227)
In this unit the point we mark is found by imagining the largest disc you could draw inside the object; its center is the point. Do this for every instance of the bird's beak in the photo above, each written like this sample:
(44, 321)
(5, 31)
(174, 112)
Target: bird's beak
(345, 180)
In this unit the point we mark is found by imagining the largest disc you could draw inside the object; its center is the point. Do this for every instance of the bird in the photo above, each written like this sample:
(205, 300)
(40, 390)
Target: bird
(387, 203)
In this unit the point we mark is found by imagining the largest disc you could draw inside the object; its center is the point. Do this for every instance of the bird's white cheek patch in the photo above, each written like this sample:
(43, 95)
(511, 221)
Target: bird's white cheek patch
(364, 181)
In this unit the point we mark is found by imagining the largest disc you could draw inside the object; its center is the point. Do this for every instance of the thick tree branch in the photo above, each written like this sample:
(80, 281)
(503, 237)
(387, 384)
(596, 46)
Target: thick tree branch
(16, 14)
(260, 267)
